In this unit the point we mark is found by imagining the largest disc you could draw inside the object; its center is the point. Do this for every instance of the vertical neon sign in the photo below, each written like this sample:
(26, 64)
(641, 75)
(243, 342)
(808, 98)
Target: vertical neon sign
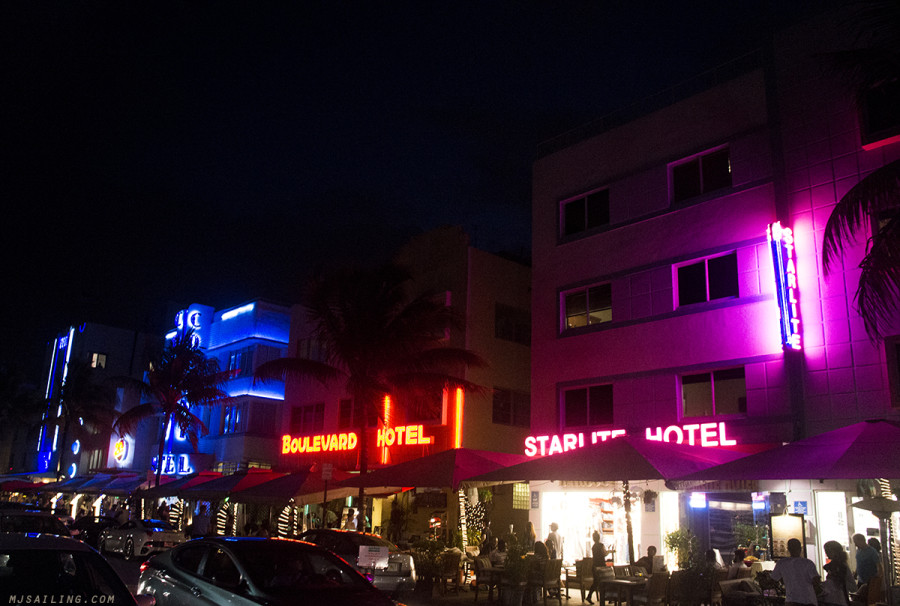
(387, 420)
(781, 244)
(458, 418)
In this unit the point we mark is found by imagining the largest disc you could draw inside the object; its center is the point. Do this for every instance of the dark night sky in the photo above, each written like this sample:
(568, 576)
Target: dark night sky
(217, 152)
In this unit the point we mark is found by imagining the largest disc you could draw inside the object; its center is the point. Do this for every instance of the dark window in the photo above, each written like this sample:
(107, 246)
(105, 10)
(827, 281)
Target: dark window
(233, 418)
(308, 419)
(240, 363)
(592, 305)
(189, 557)
(512, 324)
(221, 570)
(511, 408)
(700, 175)
(707, 394)
(588, 406)
(708, 280)
(586, 212)
(881, 112)
(351, 416)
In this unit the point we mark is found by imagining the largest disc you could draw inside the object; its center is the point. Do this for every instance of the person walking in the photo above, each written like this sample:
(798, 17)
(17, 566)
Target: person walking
(201, 523)
(799, 575)
(838, 578)
(554, 542)
(868, 570)
(598, 555)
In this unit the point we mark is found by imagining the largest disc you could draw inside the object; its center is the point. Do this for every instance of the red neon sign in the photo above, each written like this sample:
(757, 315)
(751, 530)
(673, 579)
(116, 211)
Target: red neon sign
(694, 434)
(321, 443)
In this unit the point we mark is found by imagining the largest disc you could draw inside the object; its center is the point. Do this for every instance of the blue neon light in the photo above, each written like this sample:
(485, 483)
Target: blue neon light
(238, 311)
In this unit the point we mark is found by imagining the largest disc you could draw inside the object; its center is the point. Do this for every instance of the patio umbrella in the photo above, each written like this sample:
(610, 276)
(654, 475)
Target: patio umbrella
(171, 488)
(863, 450)
(102, 482)
(124, 485)
(620, 459)
(21, 486)
(225, 486)
(447, 468)
(304, 487)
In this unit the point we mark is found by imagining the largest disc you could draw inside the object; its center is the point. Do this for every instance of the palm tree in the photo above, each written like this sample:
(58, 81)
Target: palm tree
(84, 401)
(875, 200)
(379, 341)
(182, 378)
(20, 408)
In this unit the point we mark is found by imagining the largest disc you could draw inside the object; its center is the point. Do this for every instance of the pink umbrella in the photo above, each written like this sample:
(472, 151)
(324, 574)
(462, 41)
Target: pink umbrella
(219, 488)
(619, 459)
(447, 468)
(303, 487)
(868, 449)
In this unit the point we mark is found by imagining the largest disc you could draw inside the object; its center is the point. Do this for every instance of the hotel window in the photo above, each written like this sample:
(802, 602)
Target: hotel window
(308, 419)
(701, 174)
(240, 363)
(98, 360)
(591, 305)
(717, 393)
(880, 113)
(232, 422)
(588, 406)
(511, 408)
(350, 416)
(512, 324)
(585, 212)
(708, 280)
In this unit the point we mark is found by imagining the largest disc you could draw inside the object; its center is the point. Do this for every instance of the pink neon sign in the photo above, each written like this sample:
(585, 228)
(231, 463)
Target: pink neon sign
(695, 434)
(781, 244)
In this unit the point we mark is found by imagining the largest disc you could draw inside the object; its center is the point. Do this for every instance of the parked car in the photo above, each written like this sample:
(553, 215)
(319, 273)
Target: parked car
(88, 528)
(139, 537)
(35, 568)
(398, 576)
(248, 571)
(31, 521)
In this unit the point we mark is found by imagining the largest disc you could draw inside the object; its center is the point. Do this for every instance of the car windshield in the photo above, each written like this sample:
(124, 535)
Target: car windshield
(372, 540)
(33, 574)
(157, 525)
(46, 524)
(280, 568)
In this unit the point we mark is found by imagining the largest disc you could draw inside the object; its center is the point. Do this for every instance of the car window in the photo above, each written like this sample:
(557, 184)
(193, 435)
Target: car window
(220, 569)
(283, 569)
(33, 523)
(61, 573)
(128, 525)
(189, 557)
(158, 525)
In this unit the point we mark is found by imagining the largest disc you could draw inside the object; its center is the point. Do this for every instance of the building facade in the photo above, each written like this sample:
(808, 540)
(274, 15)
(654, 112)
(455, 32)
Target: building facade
(678, 268)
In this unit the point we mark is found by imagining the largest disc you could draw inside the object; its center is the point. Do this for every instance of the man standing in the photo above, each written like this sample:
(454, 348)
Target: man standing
(799, 576)
(554, 542)
(867, 560)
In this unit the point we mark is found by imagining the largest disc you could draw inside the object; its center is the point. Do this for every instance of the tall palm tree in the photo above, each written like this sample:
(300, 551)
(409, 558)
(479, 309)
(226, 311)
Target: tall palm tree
(183, 377)
(20, 408)
(379, 340)
(875, 201)
(85, 404)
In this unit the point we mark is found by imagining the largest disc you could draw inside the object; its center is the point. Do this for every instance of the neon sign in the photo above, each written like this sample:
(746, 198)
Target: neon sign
(694, 434)
(174, 464)
(120, 450)
(404, 434)
(781, 243)
(320, 443)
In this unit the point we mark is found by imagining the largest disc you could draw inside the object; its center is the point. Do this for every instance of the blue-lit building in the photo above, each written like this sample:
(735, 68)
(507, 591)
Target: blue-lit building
(242, 432)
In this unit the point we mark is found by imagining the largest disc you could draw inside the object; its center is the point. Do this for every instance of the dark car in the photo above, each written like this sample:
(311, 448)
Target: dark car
(395, 576)
(35, 569)
(253, 570)
(88, 528)
(32, 521)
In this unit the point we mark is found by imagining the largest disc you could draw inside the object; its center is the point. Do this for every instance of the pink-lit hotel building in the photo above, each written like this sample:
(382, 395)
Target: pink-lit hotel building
(655, 299)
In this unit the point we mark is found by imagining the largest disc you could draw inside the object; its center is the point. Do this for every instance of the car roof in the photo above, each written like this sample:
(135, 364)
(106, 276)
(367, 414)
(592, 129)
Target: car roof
(40, 542)
(26, 512)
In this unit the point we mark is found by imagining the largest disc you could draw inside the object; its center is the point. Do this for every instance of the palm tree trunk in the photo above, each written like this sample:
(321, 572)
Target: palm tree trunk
(363, 470)
(162, 447)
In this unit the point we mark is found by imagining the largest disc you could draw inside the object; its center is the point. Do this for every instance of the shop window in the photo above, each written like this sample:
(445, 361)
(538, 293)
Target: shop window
(98, 360)
(586, 406)
(707, 280)
(585, 212)
(512, 324)
(309, 419)
(880, 114)
(701, 174)
(586, 306)
(716, 393)
(511, 408)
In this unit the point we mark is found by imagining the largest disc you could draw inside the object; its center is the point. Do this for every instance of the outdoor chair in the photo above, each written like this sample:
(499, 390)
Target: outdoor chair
(581, 578)
(655, 593)
(450, 570)
(485, 577)
(622, 571)
(551, 584)
(606, 593)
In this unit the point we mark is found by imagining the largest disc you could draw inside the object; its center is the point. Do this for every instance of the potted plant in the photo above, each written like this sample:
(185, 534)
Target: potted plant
(515, 572)
(650, 496)
(683, 542)
(426, 555)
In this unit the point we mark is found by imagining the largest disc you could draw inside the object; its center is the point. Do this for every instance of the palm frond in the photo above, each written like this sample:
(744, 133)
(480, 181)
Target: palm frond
(877, 193)
(129, 420)
(878, 293)
(281, 369)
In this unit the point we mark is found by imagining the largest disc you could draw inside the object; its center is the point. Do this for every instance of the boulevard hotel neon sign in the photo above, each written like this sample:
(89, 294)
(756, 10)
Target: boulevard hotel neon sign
(781, 244)
(694, 434)
(403, 435)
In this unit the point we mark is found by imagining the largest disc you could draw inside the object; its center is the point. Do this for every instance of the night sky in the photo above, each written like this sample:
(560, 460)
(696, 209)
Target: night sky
(219, 152)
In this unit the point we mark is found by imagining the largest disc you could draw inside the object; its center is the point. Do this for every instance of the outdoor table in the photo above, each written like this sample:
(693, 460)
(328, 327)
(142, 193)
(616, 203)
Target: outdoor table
(627, 584)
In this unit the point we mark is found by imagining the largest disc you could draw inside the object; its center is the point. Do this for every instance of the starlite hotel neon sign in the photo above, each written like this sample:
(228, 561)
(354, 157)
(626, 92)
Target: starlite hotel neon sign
(781, 245)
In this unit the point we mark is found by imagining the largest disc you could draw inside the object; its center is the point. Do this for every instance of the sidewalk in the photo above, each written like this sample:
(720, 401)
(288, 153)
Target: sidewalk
(468, 597)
